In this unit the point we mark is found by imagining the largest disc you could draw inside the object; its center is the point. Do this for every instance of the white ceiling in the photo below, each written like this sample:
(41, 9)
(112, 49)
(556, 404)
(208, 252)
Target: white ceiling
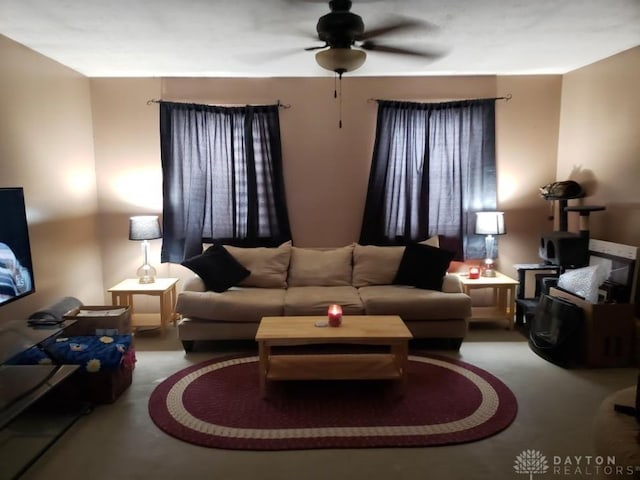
(264, 38)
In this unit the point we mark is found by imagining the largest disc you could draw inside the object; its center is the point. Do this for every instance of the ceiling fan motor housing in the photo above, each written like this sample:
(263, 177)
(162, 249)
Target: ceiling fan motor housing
(340, 28)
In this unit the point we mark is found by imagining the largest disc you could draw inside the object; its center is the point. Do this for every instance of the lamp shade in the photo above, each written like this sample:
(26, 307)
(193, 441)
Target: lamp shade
(490, 223)
(341, 60)
(144, 227)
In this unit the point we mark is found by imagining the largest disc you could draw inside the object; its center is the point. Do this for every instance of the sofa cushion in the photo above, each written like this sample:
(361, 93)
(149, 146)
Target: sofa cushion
(414, 303)
(268, 266)
(217, 268)
(432, 241)
(320, 267)
(373, 265)
(376, 265)
(316, 300)
(423, 266)
(238, 304)
(451, 283)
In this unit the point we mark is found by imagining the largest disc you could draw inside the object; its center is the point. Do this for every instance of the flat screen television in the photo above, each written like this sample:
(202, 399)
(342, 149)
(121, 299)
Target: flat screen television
(16, 269)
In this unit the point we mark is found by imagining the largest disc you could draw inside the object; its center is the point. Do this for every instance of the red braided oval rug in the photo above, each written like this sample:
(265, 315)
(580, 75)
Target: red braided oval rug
(217, 404)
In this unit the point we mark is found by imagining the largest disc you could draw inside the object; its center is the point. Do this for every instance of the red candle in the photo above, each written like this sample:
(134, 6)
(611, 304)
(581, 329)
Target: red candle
(335, 315)
(474, 272)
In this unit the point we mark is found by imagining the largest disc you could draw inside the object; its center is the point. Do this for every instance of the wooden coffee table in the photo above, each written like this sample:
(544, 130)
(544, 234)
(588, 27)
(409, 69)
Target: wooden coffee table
(385, 330)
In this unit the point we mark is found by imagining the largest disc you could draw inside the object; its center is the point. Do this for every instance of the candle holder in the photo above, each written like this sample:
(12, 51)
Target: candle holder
(335, 315)
(474, 273)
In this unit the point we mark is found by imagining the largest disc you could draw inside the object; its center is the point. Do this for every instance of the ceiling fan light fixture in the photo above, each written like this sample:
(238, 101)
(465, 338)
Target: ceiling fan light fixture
(341, 60)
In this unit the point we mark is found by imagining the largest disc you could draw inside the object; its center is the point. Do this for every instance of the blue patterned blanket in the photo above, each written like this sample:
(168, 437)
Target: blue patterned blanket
(92, 353)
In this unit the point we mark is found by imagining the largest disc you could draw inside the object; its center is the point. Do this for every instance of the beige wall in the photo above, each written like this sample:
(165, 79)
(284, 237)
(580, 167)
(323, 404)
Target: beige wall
(49, 148)
(127, 155)
(326, 168)
(46, 147)
(526, 143)
(600, 143)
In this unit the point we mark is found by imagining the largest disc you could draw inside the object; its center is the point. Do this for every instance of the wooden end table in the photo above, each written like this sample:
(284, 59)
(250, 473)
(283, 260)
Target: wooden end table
(504, 297)
(165, 288)
(385, 330)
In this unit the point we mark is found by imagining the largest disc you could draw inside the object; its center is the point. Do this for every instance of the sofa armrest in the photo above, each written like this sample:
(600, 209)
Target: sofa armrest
(194, 284)
(451, 284)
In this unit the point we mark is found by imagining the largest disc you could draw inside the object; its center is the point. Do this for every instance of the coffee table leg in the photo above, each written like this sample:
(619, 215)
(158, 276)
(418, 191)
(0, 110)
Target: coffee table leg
(264, 365)
(401, 353)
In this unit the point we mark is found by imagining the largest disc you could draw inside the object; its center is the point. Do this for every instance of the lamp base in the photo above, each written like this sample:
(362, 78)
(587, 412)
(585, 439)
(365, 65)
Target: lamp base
(488, 272)
(488, 268)
(146, 274)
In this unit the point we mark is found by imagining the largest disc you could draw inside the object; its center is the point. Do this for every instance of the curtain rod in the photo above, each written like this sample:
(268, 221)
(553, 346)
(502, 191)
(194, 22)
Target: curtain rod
(279, 103)
(506, 98)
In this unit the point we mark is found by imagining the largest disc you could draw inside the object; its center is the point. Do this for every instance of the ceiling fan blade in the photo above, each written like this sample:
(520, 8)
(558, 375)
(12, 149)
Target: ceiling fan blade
(261, 56)
(401, 51)
(319, 47)
(395, 24)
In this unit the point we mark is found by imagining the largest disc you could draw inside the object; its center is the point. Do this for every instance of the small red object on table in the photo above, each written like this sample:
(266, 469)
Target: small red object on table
(335, 315)
(474, 273)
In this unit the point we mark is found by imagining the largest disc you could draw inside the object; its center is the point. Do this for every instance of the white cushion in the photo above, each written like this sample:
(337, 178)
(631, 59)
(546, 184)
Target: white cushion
(238, 304)
(316, 300)
(412, 303)
(374, 265)
(320, 267)
(268, 266)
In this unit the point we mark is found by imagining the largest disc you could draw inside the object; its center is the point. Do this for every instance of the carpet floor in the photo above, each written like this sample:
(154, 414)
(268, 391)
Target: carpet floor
(556, 408)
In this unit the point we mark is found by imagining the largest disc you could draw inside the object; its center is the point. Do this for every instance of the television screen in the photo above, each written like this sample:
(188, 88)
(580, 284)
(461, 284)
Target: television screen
(16, 269)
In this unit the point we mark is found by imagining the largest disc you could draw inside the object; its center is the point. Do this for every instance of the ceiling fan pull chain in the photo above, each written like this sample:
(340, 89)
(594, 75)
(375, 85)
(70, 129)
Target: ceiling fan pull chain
(340, 100)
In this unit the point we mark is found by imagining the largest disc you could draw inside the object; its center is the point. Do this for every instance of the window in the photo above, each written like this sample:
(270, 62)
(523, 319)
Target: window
(433, 167)
(222, 178)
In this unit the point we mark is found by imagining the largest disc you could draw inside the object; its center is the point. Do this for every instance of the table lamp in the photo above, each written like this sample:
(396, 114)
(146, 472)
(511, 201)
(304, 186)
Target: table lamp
(145, 228)
(489, 224)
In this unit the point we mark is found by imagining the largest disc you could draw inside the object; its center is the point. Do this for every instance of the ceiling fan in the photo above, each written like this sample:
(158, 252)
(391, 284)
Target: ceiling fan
(341, 29)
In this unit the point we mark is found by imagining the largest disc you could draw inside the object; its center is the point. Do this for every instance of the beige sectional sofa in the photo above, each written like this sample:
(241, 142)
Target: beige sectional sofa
(289, 280)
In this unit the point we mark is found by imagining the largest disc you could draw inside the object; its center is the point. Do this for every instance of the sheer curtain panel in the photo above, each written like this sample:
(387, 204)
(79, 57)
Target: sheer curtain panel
(433, 167)
(222, 178)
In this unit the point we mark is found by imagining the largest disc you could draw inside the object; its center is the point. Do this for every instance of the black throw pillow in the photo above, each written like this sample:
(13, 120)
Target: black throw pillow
(217, 268)
(423, 266)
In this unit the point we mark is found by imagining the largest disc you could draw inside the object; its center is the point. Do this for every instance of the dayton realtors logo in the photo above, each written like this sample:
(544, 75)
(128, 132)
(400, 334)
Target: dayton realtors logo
(533, 462)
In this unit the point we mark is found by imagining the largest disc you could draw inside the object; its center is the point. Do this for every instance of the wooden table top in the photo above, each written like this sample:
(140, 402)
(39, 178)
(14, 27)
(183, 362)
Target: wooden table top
(499, 280)
(133, 285)
(354, 327)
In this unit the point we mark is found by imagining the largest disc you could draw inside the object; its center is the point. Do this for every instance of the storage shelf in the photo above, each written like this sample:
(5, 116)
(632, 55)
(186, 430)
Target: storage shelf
(46, 376)
(146, 320)
(489, 313)
(378, 366)
(29, 421)
(28, 436)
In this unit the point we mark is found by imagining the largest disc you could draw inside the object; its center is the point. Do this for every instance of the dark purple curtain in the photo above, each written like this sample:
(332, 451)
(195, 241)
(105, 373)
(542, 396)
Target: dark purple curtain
(433, 167)
(222, 178)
